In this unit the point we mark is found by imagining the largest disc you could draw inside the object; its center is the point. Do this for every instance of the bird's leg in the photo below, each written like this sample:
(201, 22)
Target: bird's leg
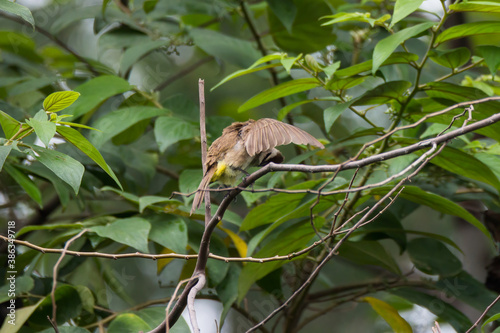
(246, 175)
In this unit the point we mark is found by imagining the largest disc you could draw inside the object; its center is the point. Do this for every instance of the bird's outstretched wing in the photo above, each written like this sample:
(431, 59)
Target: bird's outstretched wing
(267, 133)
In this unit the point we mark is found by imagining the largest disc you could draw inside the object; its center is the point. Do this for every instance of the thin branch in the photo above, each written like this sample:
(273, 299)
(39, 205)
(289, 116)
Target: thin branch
(483, 314)
(182, 73)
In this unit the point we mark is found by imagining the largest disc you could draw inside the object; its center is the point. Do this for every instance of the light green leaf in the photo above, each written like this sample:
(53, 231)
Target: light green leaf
(390, 315)
(136, 52)
(19, 10)
(4, 153)
(395, 58)
(276, 92)
(59, 100)
(489, 320)
(347, 17)
(96, 91)
(332, 113)
(388, 45)
(80, 142)
(468, 29)
(22, 315)
(476, 6)
(62, 165)
(253, 68)
(118, 121)
(131, 231)
(44, 129)
(25, 182)
(403, 8)
(169, 130)
(284, 111)
(128, 323)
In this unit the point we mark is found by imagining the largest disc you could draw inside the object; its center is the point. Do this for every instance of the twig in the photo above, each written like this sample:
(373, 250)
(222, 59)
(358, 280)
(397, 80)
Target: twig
(483, 314)
(54, 274)
(182, 73)
(203, 135)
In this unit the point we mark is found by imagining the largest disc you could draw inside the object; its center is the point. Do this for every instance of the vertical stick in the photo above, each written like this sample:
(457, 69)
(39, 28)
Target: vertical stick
(203, 135)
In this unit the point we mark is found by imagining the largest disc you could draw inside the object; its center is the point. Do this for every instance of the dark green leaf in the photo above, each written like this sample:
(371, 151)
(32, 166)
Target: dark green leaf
(68, 306)
(285, 110)
(285, 11)
(23, 285)
(233, 50)
(390, 315)
(423, 252)
(368, 253)
(136, 52)
(384, 93)
(17, 9)
(169, 130)
(25, 182)
(469, 29)
(276, 92)
(150, 200)
(395, 58)
(19, 44)
(131, 231)
(62, 165)
(118, 121)
(307, 35)
(386, 46)
(149, 5)
(491, 55)
(79, 141)
(451, 58)
(66, 329)
(169, 231)
(96, 91)
(436, 202)
(227, 290)
(31, 85)
(436, 305)
(345, 83)
(59, 100)
(403, 8)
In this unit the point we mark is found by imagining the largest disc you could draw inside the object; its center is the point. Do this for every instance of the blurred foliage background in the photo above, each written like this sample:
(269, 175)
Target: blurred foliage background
(345, 71)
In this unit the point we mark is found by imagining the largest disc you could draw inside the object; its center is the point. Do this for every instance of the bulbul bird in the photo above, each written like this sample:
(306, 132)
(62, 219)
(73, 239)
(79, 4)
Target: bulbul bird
(244, 144)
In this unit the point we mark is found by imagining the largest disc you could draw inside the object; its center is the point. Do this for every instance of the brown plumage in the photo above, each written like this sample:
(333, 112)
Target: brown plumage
(244, 144)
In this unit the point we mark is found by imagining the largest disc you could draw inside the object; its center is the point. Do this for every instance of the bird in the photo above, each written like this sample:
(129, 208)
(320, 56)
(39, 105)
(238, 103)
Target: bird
(244, 144)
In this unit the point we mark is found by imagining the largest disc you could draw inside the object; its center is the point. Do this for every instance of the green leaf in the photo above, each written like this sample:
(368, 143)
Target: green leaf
(236, 51)
(384, 93)
(62, 165)
(276, 92)
(436, 202)
(136, 52)
(288, 62)
(468, 29)
(131, 231)
(332, 113)
(227, 290)
(44, 129)
(128, 323)
(19, 44)
(170, 232)
(491, 55)
(285, 110)
(438, 306)
(389, 314)
(169, 130)
(288, 241)
(19, 10)
(476, 6)
(306, 34)
(347, 17)
(368, 253)
(403, 8)
(31, 84)
(345, 83)
(286, 11)
(118, 121)
(23, 284)
(59, 100)
(451, 58)
(25, 182)
(386, 46)
(489, 320)
(22, 315)
(253, 68)
(4, 153)
(68, 306)
(96, 91)
(394, 58)
(423, 251)
(66, 329)
(63, 21)
(79, 141)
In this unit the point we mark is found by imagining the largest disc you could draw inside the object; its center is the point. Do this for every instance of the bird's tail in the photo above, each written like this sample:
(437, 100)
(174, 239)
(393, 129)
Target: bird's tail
(200, 193)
